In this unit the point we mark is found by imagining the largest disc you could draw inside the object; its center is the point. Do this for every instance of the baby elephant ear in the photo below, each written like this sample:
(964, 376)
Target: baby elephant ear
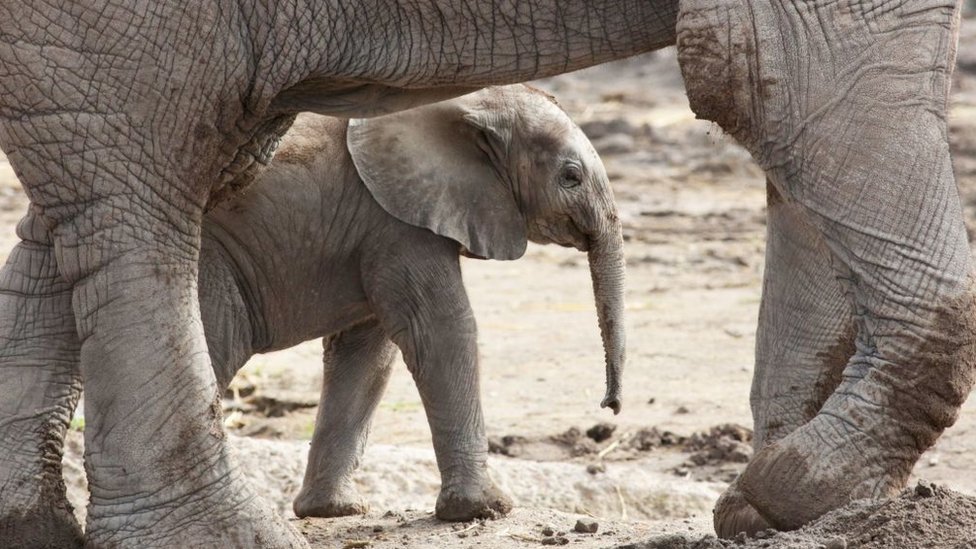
(433, 167)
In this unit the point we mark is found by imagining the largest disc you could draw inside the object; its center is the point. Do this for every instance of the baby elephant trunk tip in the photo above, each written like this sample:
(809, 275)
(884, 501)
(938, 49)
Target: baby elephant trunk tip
(612, 400)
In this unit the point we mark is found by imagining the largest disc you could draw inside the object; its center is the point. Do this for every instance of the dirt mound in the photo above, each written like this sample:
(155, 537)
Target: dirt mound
(927, 516)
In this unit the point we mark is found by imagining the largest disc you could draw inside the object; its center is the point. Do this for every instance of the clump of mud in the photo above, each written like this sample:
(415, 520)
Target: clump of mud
(716, 454)
(719, 453)
(926, 516)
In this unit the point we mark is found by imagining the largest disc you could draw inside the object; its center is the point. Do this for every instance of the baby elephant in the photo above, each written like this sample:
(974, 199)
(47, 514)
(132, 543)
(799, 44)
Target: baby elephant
(354, 233)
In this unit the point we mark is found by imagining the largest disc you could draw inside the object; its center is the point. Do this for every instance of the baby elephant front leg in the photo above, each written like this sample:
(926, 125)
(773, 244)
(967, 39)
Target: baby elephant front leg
(357, 364)
(420, 301)
(446, 373)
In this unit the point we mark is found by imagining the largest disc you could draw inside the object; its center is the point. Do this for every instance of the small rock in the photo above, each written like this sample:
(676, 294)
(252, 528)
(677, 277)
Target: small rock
(548, 531)
(558, 540)
(924, 489)
(651, 400)
(741, 538)
(682, 410)
(767, 533)
(377, 529)
(837, 543)
(356, 544)
(586, 526)
(596, 468)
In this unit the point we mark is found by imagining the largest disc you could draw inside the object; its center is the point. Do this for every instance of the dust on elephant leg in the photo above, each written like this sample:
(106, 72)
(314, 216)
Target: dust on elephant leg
(831, 138)
(916, 410)
(39, 364)
(806, 324)
(173, 489)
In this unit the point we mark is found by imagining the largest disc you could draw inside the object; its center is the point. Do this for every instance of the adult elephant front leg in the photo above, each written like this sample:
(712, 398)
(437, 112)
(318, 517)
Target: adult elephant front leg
(805, 337)
(154, 453)
(39, 366)
(843, 105)
(147, 377)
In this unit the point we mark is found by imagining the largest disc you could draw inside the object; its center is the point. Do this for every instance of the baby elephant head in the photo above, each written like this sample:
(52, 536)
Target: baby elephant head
(492, 170)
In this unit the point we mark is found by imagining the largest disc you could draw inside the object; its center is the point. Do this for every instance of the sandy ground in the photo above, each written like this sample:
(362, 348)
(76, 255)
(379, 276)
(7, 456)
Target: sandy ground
(692, 204)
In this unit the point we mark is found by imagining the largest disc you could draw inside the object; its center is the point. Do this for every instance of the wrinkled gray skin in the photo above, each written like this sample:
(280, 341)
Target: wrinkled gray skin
(311, 250)
(125, 119)
(865, 348)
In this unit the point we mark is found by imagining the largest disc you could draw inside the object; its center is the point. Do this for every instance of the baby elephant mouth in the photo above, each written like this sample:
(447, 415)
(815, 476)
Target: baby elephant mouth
(571, 236)
(563, 232)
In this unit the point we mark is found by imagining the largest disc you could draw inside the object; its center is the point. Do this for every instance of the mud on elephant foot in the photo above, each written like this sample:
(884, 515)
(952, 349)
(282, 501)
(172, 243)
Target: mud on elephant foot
(329, 502)
(464, 502)
(733, 514)
(816, 469)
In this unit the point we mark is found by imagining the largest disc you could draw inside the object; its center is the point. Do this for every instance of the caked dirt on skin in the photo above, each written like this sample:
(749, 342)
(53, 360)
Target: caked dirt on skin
(924, 517)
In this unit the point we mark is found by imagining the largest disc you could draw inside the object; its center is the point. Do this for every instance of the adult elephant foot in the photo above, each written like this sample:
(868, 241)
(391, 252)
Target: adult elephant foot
(464, 502)
(178, 487)
(733, 514)
(871, 431)
(226, 514)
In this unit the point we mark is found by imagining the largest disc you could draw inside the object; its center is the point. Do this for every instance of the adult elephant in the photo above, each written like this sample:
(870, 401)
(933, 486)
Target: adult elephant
(124, 119)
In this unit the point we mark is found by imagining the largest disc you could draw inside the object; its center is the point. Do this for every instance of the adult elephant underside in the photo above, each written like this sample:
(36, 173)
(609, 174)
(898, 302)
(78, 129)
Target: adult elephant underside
(125, 119)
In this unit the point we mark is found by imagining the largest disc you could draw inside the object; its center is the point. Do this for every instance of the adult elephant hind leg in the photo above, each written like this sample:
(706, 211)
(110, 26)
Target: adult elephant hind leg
(805, 337)
(853, 131)
(158, 467)
(357, 366)
(39, 370)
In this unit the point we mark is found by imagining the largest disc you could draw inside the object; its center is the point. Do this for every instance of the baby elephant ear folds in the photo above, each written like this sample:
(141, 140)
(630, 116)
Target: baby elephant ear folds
(435, 167)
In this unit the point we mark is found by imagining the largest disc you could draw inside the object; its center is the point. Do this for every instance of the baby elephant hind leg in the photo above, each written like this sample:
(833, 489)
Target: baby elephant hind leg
(357, 365)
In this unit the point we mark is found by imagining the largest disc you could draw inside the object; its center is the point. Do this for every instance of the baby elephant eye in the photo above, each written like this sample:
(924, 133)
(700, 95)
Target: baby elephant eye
(572, 176)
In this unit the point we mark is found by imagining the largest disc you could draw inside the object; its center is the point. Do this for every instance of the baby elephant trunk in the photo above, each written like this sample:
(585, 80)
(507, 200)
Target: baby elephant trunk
(607, 271)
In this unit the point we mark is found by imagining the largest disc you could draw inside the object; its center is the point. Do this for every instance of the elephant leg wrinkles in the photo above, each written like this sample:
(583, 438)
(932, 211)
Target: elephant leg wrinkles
(805, 337)
(806, 324)
(39, 364)
(357, 367)
(852, 133)
(134, 299)
(422, 305)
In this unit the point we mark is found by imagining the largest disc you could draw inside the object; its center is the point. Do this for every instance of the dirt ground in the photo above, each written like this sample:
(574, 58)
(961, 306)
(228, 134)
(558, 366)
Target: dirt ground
(692, 204)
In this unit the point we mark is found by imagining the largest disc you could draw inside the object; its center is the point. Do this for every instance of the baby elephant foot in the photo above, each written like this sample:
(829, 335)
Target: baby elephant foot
(325, 503)
(464, 502)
